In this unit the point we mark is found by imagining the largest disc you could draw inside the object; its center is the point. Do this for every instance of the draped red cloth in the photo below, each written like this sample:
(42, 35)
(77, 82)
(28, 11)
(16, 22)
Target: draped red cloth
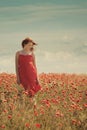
(28, 74)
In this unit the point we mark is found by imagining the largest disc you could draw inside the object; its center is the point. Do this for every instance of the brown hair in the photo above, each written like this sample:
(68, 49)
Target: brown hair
(26, 41)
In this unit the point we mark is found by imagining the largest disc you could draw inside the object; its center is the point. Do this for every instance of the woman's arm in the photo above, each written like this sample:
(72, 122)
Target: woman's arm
(34, 62)
(16, 67)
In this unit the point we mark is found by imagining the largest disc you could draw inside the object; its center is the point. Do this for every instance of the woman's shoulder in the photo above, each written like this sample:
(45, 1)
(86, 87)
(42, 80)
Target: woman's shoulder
(18, 52)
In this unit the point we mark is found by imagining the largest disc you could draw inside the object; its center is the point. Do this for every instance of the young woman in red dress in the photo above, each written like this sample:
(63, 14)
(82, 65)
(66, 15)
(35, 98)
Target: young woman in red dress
(26, 70)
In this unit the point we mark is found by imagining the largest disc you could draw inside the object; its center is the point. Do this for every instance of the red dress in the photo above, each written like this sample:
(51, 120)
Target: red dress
(28, 74)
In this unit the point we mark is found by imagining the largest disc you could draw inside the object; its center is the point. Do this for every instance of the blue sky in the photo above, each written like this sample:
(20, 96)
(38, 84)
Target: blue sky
(58, 26)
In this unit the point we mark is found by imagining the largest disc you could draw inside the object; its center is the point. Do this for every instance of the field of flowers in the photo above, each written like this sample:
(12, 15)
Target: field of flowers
(61, 104)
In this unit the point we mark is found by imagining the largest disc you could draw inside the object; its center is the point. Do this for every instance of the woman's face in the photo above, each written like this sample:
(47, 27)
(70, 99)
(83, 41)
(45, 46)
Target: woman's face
(29, 46)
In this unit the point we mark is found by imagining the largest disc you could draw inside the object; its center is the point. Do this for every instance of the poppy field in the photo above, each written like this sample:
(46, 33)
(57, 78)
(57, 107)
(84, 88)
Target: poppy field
(61, 104)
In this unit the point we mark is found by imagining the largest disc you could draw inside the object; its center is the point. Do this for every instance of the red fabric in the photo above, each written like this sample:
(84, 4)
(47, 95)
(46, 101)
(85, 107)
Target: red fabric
(28, 74)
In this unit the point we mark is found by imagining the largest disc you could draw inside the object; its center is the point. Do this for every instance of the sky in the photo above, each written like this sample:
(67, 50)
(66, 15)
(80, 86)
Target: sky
(58, 26)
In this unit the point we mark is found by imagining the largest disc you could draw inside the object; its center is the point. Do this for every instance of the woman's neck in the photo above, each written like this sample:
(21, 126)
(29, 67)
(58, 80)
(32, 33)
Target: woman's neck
(26, 51)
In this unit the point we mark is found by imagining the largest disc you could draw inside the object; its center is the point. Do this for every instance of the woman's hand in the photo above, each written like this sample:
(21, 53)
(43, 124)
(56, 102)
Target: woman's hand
(38, 78)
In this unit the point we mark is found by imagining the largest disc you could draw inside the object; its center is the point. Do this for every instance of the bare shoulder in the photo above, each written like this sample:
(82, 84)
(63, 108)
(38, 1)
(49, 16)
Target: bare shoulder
(17, 53)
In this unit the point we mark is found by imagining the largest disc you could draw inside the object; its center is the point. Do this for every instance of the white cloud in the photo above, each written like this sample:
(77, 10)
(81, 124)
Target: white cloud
(85, 43)
(44, 7)
(34, 13)
(57, 51)
(60, 62)
(55, 56)
(49, 62)
(7, 64)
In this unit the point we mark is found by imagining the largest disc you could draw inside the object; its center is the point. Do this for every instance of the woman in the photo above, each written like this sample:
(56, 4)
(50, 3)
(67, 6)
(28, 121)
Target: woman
(26, 70)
